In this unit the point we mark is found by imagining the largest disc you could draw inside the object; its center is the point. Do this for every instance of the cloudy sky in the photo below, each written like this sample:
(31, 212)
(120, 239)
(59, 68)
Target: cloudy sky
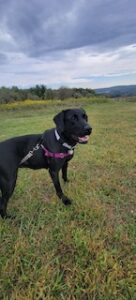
(86, 43)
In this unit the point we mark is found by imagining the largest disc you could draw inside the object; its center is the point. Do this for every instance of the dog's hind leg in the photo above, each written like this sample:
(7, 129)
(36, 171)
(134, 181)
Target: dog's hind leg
(7, 188)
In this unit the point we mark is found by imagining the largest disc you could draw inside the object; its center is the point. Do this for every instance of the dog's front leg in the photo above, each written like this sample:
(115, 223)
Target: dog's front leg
(55, 178)
(64, 172)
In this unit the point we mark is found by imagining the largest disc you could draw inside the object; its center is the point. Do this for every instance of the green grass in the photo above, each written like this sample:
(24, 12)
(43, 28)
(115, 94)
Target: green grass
(81, 252)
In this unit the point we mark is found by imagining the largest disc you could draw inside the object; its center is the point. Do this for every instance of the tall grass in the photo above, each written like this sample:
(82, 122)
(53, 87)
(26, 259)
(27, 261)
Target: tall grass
(31, 104)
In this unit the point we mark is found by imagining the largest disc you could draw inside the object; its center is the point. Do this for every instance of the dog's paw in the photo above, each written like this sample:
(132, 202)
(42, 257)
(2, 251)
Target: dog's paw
(7, 216)
(66, 180)
(66, 201)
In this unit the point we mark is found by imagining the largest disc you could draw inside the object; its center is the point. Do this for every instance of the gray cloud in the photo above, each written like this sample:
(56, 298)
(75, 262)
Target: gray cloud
(61, 42)
(39, 27)
(3, 59)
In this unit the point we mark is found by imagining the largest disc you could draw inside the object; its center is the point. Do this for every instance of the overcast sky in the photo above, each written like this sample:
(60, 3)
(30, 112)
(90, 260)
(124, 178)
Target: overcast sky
(86, 43)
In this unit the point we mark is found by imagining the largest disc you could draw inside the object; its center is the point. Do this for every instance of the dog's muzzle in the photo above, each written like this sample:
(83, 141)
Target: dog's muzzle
(85, 137)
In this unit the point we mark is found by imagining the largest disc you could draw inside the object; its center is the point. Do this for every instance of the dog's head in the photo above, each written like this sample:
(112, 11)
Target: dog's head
(73, 125)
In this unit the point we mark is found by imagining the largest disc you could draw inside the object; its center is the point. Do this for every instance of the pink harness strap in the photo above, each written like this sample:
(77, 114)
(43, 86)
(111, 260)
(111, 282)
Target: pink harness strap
(57, 154)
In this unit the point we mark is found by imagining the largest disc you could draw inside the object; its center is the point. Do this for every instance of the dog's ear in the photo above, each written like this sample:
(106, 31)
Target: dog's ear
(84, 112)
(59, 120)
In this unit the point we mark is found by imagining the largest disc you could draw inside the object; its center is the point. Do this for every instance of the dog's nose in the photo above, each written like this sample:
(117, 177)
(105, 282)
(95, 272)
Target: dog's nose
(87, 129)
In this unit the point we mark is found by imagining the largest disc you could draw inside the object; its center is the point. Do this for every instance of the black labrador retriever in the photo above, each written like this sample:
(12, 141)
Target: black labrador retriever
(51, 150)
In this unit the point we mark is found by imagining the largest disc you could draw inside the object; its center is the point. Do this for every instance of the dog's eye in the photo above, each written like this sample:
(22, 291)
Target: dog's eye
(84, 116)
(75, 118)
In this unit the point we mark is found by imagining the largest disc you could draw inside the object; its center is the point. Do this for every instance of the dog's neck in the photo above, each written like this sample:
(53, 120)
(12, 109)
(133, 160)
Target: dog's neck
(61, 139)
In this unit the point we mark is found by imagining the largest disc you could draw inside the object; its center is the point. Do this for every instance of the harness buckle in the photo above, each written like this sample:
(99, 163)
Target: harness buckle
(30, 154)
(36, 147)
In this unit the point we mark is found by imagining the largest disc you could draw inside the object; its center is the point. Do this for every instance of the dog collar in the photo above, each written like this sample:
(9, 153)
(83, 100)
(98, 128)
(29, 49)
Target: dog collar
(61, 155)
(63, 144)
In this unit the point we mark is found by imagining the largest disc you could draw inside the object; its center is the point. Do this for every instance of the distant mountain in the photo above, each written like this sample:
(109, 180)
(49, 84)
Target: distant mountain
(118, 91)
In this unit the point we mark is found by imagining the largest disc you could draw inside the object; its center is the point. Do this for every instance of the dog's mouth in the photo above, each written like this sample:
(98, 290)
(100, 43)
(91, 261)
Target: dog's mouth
(81, 139)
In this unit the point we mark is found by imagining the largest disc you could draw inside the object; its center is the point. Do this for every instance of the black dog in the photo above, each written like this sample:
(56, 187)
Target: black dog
(51, 151)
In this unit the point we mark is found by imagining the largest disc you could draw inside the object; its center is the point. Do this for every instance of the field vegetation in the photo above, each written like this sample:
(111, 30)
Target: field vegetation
(41, 92)
(85, 251)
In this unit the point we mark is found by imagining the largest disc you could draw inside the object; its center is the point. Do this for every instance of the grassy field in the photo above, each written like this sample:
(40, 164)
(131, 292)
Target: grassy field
(87, 250)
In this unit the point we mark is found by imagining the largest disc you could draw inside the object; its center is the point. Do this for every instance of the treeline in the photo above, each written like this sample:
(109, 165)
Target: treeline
(39, 92)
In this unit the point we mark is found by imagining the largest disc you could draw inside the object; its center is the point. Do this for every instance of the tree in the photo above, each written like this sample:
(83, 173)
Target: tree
(49, 94)
(64, 93)
(39, 90)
